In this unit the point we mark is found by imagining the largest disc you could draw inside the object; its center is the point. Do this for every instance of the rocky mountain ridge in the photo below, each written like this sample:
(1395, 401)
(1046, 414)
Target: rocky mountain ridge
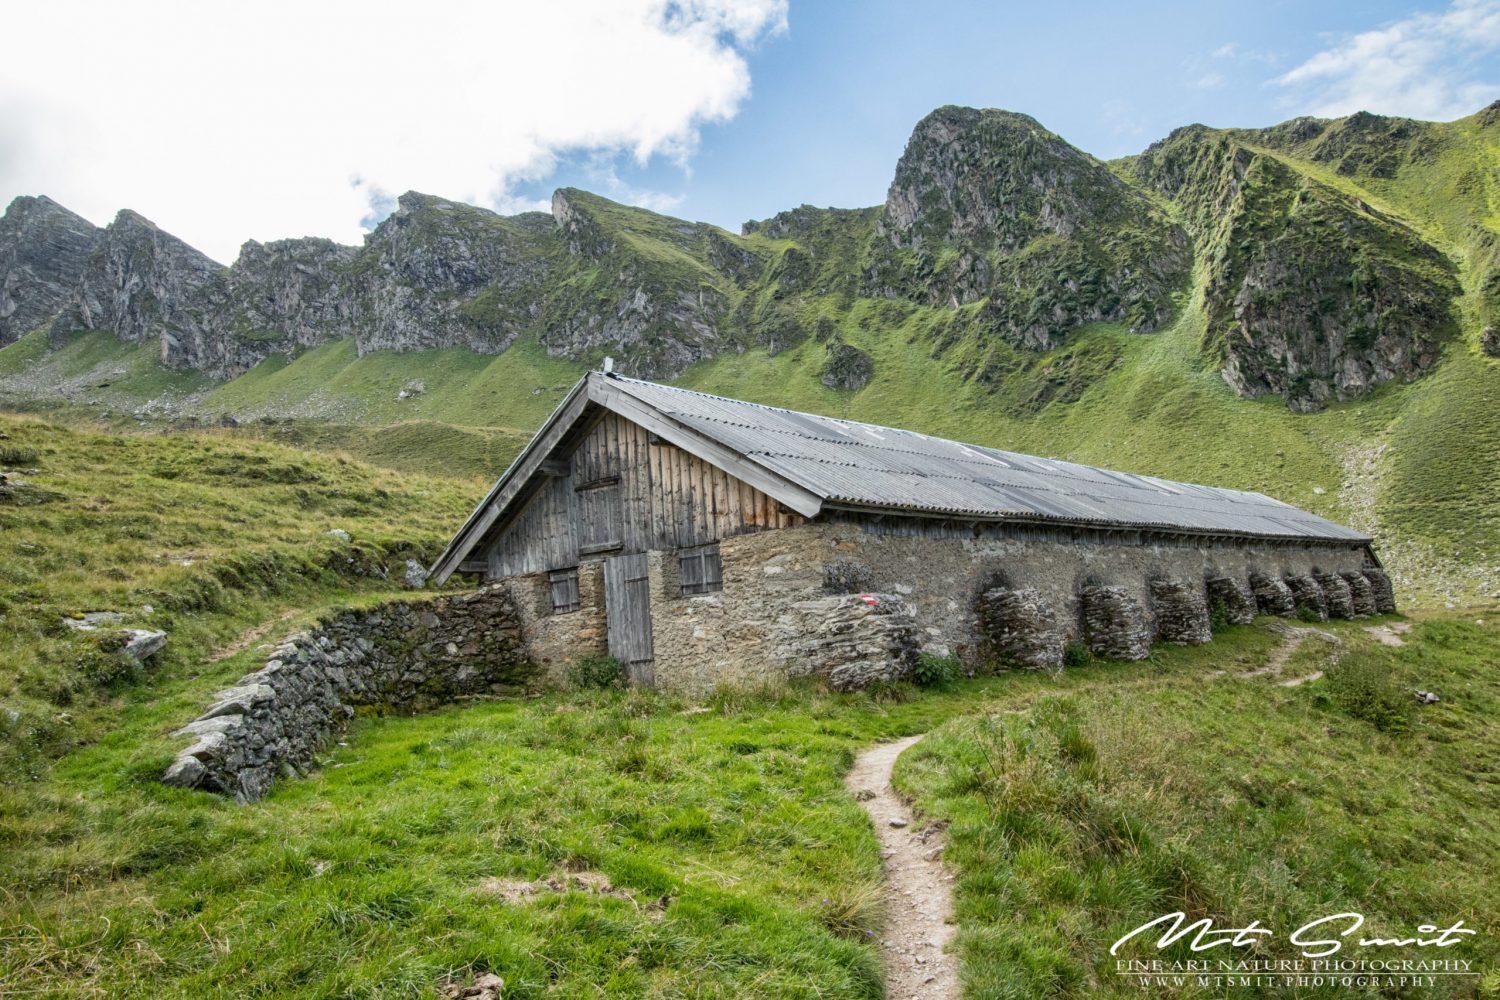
(1001, 230)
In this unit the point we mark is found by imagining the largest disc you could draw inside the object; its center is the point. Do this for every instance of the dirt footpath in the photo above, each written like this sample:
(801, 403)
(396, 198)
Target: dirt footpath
(918, 894)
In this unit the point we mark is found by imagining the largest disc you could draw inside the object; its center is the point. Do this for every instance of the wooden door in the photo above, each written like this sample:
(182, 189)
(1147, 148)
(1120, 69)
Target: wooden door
(627, 604)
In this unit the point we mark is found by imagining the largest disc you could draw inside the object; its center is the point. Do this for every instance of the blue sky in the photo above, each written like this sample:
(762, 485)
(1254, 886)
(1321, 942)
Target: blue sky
(835, 96)
(221, 125)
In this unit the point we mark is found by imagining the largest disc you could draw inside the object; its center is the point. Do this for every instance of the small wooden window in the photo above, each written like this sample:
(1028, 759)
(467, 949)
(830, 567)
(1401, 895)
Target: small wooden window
(564, 590)
(702, 572)
(599, 516)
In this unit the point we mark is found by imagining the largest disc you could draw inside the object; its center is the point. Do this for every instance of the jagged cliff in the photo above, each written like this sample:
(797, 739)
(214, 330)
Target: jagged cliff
(1310, 293)
(43, 251)
(1007, 235)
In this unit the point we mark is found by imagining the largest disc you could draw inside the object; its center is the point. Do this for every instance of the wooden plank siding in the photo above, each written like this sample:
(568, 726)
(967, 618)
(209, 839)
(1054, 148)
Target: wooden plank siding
(667, 499)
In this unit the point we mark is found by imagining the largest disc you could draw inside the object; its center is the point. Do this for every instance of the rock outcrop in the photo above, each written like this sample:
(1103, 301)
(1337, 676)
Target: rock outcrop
(989, 206)
(44, 249)
(141, 283)
(1312, 294)
(846, 367)
(1008, 237)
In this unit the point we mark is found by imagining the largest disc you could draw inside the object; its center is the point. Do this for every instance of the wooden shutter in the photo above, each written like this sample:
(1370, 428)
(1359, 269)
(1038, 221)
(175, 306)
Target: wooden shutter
(599, 521)
(564, 590)
(700, 568)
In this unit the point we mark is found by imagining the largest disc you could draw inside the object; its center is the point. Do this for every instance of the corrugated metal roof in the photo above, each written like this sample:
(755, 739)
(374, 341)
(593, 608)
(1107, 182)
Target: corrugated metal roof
(865, 465)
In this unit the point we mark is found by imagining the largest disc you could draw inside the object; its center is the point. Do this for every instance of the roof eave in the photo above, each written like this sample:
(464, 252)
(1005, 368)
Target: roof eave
(461, 542)
(1028, 518)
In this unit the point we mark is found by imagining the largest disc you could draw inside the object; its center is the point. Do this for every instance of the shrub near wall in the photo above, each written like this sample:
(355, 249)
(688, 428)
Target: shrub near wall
(405, 655)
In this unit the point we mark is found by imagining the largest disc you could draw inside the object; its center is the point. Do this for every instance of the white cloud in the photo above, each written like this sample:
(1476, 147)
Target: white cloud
(1427, 66)
(280, 118)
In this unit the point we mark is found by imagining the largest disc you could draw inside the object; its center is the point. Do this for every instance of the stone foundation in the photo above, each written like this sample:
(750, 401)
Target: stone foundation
(406, 656)
(1361, 594)
(1272, 595)
(1022, 628)
(552, 640)
(1336, 593)
(1181, 612)
(1232, 598)
(1114, 624)
(1310, 598)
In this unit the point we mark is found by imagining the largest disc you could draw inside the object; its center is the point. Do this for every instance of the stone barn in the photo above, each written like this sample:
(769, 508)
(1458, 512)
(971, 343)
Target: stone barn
(704, 541)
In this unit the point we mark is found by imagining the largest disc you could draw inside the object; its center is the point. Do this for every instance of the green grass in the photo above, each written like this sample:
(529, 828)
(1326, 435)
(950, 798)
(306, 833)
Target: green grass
(95, 367)
(202, 534)
(513, 391)
(735, 864)
(1081, 812)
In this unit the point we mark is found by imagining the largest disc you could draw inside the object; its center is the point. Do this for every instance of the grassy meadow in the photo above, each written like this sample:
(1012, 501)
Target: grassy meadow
(630, 844)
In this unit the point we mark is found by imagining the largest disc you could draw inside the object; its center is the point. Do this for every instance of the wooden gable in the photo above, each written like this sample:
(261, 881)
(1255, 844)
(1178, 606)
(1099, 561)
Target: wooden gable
(624, 489)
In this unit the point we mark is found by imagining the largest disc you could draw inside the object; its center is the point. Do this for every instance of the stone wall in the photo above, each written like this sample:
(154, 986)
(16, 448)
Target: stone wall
(554, 639)
(1181, 609)
(771, 620)
(1272, 595)
(943, 577)
(405, 655)
(747, 634)
(1233, 599)
(1113, 623)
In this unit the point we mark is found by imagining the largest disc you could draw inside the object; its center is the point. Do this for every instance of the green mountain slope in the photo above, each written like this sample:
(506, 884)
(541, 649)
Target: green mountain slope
(1342, 267)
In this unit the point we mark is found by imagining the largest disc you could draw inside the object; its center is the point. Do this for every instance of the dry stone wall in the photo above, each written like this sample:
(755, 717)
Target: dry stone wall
(405, 655)
(1181, 612)
(943, 571)
(1115, 624)
(1233, 598)
(1361, 594)
(1336, 594)
(1385, 593)
(1272, 595)
(849, 640)
(1312, 602)
(1022, 628)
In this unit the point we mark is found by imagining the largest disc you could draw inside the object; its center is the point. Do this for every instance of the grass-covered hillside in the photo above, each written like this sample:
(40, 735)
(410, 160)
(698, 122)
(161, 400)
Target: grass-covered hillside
(199, 534)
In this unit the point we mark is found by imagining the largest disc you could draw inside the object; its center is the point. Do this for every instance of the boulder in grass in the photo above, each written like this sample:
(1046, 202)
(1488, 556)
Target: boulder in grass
(142, 644)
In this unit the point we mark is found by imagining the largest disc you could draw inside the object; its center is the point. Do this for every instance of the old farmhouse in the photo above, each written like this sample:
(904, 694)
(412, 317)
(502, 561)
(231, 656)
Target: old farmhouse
(703, 540)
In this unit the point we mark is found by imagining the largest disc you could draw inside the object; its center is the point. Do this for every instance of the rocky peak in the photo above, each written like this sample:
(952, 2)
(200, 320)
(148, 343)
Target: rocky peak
(995, 179)
(291, 292)
(1310, 293)
(140, 282)
(988, 206)
(584, 236)
(43, 251)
